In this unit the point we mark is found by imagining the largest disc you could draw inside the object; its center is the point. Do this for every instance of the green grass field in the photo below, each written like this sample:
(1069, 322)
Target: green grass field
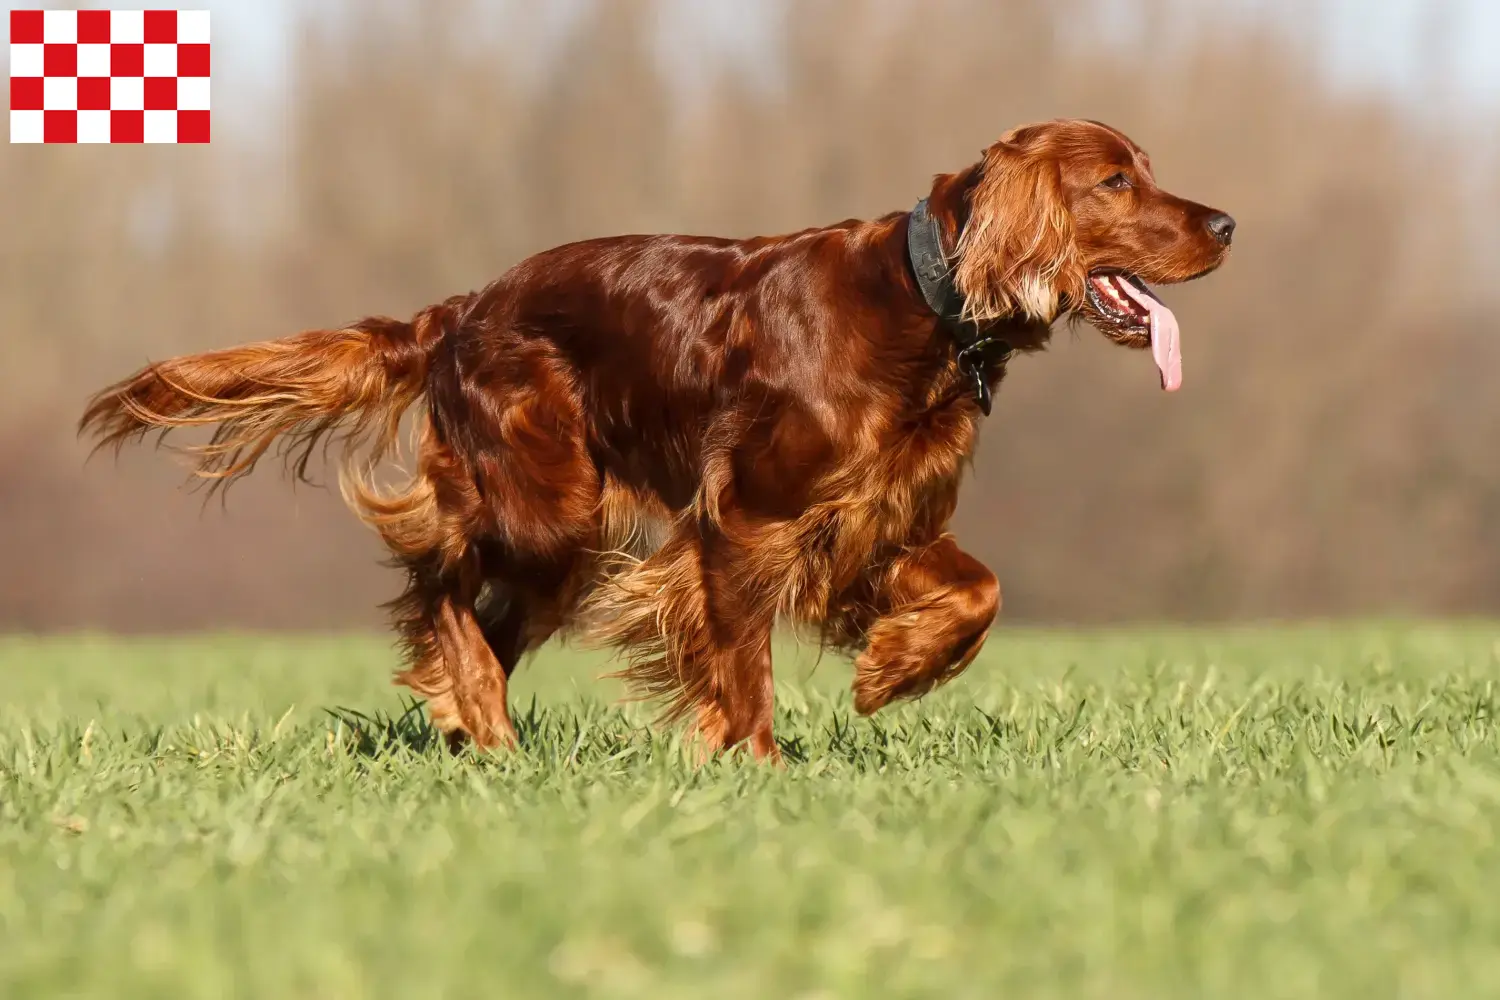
(1306, 812)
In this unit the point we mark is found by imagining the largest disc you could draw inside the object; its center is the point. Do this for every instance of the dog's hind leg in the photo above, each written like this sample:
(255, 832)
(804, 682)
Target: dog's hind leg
(519, 611)
(508, 494)
(452, 664)
(432, 530)
(466, 639)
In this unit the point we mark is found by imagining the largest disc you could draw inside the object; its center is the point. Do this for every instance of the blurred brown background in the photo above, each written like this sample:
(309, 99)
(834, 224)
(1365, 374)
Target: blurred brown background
(1334, 450)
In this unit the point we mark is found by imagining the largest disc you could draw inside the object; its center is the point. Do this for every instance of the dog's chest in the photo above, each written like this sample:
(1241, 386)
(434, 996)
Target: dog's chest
(900, 491)
(912, 480)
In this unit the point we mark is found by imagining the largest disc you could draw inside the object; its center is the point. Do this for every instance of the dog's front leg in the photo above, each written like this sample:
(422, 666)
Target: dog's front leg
(741, 710)
(736, 652)
(938, 603)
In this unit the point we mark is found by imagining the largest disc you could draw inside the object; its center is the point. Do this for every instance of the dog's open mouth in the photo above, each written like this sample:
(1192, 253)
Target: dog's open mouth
(1125, 309)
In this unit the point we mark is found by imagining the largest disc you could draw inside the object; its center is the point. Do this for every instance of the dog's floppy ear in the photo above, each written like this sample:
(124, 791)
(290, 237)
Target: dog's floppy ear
(1016, 256)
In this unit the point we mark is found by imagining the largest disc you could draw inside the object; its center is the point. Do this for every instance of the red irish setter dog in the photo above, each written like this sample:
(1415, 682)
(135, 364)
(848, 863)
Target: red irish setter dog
(667, 443)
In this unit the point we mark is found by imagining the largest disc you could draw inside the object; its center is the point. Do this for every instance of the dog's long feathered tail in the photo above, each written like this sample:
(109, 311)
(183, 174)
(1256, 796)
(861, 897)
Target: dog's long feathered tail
(349, 386)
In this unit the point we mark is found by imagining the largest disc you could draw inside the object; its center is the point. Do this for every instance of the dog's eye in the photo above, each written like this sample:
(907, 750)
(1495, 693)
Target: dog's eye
(1116, 182)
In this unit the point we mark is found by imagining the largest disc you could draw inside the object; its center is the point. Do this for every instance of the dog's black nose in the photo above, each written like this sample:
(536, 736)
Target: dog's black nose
(1221, 227)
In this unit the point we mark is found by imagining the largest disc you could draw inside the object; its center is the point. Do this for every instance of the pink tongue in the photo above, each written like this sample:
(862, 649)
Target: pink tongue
(1166, 343)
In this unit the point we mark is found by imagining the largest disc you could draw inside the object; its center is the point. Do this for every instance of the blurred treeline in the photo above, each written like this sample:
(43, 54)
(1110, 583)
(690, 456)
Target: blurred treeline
(1334, 451)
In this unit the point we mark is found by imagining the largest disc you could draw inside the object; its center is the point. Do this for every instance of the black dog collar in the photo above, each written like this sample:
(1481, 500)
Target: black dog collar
(977, 352)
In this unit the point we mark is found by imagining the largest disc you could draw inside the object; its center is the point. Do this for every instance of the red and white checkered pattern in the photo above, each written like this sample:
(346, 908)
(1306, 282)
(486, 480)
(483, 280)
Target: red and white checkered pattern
(109, 76)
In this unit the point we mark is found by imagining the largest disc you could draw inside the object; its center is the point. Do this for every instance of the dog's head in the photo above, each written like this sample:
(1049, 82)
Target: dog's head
(1065, 217)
